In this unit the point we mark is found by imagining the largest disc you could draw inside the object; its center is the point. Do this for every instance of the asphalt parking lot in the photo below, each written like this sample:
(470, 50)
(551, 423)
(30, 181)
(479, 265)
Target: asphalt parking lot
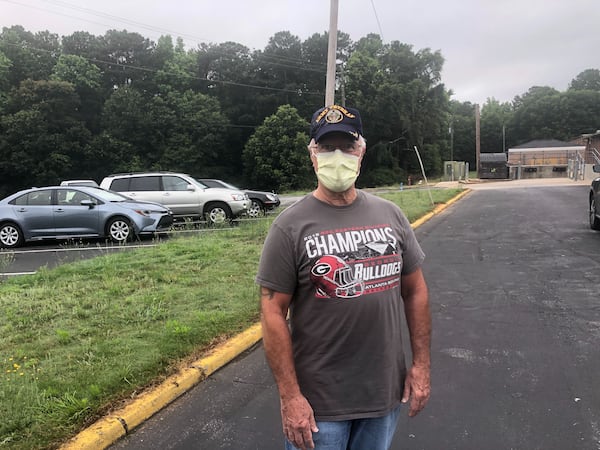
(514, 276)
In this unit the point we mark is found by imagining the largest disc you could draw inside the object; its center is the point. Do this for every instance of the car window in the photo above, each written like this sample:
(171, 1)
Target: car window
(145, 184)
(21, 201)
(120, 185)
(37, 198)
(174, 183)
(62, 197)
(72, 197)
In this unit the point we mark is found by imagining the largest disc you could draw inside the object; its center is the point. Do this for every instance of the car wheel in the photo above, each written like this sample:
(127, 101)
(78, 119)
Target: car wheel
(256, 209)
(594, 221)
(217, 213)
(119, 230)
(11, 236)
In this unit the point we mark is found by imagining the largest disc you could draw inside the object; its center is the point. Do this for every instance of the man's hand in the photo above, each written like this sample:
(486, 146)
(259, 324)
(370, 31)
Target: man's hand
(298, 422)
(417, 388)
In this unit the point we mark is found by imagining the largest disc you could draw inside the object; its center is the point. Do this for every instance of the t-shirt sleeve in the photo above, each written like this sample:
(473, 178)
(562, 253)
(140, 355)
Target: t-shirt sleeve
(277, 267)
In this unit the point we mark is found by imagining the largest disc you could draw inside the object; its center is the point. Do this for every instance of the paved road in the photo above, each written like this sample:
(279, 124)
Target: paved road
(31, 257)
(514, 277)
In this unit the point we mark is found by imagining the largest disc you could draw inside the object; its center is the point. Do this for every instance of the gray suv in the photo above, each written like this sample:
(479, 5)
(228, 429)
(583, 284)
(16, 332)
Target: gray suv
(183, 195)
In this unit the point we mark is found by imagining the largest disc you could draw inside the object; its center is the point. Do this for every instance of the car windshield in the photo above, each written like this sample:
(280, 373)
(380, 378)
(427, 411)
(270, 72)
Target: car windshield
(220, 184)
(230, 186)
(200, 183)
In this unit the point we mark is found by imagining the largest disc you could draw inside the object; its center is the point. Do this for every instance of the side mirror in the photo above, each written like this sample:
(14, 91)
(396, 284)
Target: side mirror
(89, 203)
(191, 187)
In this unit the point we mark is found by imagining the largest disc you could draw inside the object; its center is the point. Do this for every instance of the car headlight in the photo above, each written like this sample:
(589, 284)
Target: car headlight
(149, 212)
(238, 197)
(272, 197)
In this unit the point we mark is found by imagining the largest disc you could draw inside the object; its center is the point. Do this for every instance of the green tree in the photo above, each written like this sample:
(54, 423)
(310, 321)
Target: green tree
(192, 133)
(77, 71)
(43, 136)
(545, 113)
(587, 80)
(230, 72)
(579, 113)
(281, 71)
(402, 101)
(178, 69)
(87, 80)
(462, 121)
(125, 118)
(32, 55)
(276, 156)
(363, 74)
(128, 59)
(314, 71)
(86, 45)
(536, 113)
(495, 117)
(5, 66)
(107, 154)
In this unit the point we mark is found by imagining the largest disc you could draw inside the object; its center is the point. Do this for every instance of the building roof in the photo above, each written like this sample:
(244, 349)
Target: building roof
(543, 143)
(546, 145)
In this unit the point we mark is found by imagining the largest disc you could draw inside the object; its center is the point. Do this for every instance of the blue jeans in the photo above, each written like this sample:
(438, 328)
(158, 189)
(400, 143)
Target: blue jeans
(357, 434)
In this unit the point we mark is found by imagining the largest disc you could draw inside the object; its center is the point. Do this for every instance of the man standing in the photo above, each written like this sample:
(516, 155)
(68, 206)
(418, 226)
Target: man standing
(345, 265)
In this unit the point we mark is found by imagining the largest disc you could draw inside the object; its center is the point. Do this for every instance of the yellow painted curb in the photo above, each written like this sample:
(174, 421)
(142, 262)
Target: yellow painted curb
(438, 209)
(109, 429)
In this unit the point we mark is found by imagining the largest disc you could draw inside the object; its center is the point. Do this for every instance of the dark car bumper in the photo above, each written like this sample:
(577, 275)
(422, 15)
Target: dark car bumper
(271, 204)
(164, 223)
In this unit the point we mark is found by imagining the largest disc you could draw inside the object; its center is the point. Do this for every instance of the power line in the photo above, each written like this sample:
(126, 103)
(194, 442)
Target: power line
(57, 13)
(377, 19)
(120, 19)
(193, 38)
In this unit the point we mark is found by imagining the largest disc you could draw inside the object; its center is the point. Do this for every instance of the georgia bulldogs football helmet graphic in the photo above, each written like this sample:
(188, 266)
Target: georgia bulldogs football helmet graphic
(334, 278)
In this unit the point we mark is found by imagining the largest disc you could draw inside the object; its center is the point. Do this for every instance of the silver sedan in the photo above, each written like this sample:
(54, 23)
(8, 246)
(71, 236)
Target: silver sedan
(63, 212)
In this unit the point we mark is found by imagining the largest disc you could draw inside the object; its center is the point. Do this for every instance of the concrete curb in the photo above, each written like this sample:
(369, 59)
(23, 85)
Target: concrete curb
(107, 430)
(438, 209)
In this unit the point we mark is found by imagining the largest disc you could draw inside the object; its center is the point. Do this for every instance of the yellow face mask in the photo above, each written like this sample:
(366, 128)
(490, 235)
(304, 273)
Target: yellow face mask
(336, 170)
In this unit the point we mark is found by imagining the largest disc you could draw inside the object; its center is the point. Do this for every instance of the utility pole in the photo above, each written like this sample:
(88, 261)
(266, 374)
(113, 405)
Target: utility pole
(342, 86)
(452, 149)
(477, 138)
(331, 54)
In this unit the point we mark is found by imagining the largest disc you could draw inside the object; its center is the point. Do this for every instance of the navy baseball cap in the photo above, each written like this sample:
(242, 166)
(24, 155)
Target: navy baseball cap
(335, 118)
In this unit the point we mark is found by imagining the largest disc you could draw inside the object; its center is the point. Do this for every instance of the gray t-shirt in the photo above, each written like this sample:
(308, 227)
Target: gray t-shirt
(343, 266)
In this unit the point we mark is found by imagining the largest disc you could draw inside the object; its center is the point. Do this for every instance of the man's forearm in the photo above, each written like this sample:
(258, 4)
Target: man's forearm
(418, 319)
(277, 342)
(278, 350)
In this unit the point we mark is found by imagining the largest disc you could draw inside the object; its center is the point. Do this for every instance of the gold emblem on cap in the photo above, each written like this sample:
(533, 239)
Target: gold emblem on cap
(334, 116)
(334, 109)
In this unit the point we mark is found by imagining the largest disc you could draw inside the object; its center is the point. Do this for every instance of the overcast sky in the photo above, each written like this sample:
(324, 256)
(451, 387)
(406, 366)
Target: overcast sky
(492, 48)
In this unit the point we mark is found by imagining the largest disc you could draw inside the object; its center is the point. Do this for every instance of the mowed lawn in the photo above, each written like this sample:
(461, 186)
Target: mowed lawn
(78, 339)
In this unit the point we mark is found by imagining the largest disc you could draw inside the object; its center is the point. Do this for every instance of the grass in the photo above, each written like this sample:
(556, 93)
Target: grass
(417, 202)
(78, 339)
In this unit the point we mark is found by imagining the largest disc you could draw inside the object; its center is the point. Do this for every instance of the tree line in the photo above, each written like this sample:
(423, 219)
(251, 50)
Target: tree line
(85, 106)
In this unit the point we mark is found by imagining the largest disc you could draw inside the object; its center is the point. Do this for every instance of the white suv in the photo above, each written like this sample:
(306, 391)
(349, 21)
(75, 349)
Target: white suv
(181, 193)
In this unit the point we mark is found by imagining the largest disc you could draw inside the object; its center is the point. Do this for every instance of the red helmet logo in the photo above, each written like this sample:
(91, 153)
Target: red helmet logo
(334, 278)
